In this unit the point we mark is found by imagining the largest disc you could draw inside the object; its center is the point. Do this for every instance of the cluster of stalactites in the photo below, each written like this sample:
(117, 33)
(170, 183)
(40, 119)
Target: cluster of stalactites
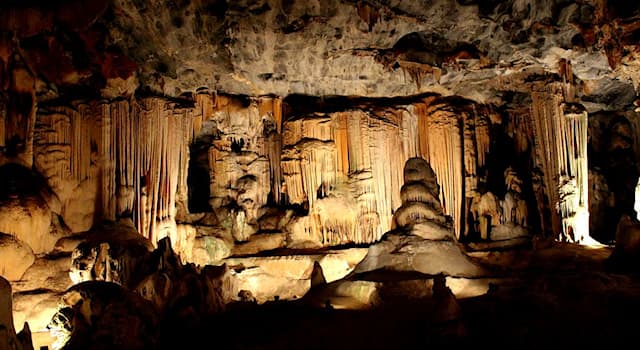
(365, 149)
(561, 153)
(248, 145)
(440, 136)
(136, 151)
(352, 150)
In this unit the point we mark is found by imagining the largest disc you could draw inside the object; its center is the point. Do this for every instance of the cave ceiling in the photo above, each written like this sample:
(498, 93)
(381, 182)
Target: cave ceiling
(480, 50)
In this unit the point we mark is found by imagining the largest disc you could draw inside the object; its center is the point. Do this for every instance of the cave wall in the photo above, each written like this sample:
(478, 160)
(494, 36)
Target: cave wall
(331, 177)
(256, 159)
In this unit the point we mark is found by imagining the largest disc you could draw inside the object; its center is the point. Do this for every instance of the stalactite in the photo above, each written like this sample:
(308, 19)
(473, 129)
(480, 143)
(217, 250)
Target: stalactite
(105, 145)
(341, 138)
(443, 146)
(53, 140)
(270, 108)
(205, 107)
(368, 14)
(521, 129)
(566, 72)
(124, 149)
(21, 111)
(358, 141)
(419, 71)
(471, 158)
(410, 131)
(545, 108)
(561, 145)
(274, 154)
(385, 154)
(482, 139)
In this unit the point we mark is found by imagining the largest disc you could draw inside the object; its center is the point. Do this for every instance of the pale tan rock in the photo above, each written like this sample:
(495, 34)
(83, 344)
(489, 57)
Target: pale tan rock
(15, 257)
(29, 220)
(271, 288)
(51, 271)
(412, 253)
(349, 295)
(210, 250)
(36, 307)
(109, 253)
(337, 264)
(289, 277)
(182, 238)
(260, 242)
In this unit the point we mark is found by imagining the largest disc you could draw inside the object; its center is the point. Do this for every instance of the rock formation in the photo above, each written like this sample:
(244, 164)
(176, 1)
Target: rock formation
(203, 152)
(424, 241)
(8, 338)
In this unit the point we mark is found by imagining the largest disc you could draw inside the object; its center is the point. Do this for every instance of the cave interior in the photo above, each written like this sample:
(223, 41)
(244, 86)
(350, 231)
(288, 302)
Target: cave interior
(268, 174)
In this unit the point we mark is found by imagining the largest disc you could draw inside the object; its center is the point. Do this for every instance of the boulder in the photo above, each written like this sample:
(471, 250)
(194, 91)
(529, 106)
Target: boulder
(15, 257)
(626, 253)
(110, 252)
(93, 315)
(27, 206)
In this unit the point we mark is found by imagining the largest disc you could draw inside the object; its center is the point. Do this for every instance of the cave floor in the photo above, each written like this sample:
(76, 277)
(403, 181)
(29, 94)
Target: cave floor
(562, 294)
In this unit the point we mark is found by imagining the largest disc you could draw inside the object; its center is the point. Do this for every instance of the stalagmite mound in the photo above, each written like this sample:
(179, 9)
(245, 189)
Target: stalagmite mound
(28, 208)
(15, 257)
(423, 240)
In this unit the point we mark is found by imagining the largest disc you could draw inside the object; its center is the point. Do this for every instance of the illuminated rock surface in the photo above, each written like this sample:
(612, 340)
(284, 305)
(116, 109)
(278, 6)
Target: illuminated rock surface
(240, 165)
(420, 243)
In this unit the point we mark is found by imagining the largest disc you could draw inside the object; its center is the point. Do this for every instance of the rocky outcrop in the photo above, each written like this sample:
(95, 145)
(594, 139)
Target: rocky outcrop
(29, 208)
(111, 253)
(17, 257)
(8, 338)
(626, 254)
(93, 315)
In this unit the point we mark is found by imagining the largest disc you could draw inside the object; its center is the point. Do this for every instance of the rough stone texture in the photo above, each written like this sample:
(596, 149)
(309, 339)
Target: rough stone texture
(8, 338)
(210, 250)
(289, 277)
(37, 294)
(98, 311)
(109, 253)
(412, 253)
(17, 257)
(627, 248)
(36, 307)
(420, 242)
(28, 208)
(389, 48)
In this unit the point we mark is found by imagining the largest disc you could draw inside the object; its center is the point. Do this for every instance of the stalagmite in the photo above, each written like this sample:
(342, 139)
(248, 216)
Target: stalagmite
(561, 146)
